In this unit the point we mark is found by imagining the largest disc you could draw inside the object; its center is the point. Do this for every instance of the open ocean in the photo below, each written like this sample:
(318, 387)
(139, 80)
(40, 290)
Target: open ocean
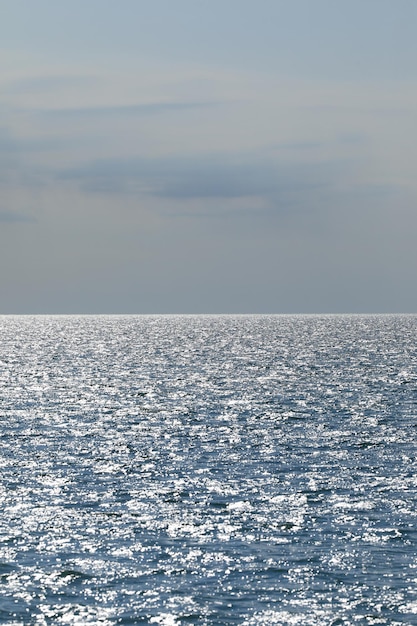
(209, 470)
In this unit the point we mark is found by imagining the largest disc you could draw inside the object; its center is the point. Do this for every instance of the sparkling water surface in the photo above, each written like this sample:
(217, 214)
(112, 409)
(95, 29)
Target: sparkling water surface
(208, 470)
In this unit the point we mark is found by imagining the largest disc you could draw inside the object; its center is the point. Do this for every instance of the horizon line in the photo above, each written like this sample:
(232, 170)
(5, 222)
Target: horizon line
(300, 314)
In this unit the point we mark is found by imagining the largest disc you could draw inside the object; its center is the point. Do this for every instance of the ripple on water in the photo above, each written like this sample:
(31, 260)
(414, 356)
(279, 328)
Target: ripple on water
(208, 470)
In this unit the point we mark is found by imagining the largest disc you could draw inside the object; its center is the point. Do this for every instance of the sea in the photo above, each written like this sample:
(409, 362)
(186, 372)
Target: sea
(208, 470)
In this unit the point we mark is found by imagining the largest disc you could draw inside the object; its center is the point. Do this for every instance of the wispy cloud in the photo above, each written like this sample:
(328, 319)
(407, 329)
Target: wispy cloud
(203, 177)
(11, 145)
(308, 193)
(151, 108)
(12, 217)
(46, 84)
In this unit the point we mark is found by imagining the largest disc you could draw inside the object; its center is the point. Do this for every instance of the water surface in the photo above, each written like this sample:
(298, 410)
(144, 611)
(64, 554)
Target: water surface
(211, 470)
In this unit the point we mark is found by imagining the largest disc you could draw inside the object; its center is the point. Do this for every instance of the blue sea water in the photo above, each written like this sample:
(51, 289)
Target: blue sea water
(210, 470)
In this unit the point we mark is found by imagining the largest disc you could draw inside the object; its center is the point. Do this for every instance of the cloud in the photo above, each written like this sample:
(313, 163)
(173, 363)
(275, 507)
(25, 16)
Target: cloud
(12, 217)
(46, 84)
(151, 108)
(255, 195)
(191, 177)
(238, 183)
(11, 145)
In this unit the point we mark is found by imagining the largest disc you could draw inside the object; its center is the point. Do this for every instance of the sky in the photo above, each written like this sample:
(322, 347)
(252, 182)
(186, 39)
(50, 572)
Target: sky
(207, 156)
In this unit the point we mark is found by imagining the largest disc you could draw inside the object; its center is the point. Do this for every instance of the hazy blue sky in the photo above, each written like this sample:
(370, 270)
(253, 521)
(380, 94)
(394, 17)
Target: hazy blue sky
(186, 156)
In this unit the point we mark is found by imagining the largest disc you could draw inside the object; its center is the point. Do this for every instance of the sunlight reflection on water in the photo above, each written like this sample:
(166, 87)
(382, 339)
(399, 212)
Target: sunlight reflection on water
(208, 470)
